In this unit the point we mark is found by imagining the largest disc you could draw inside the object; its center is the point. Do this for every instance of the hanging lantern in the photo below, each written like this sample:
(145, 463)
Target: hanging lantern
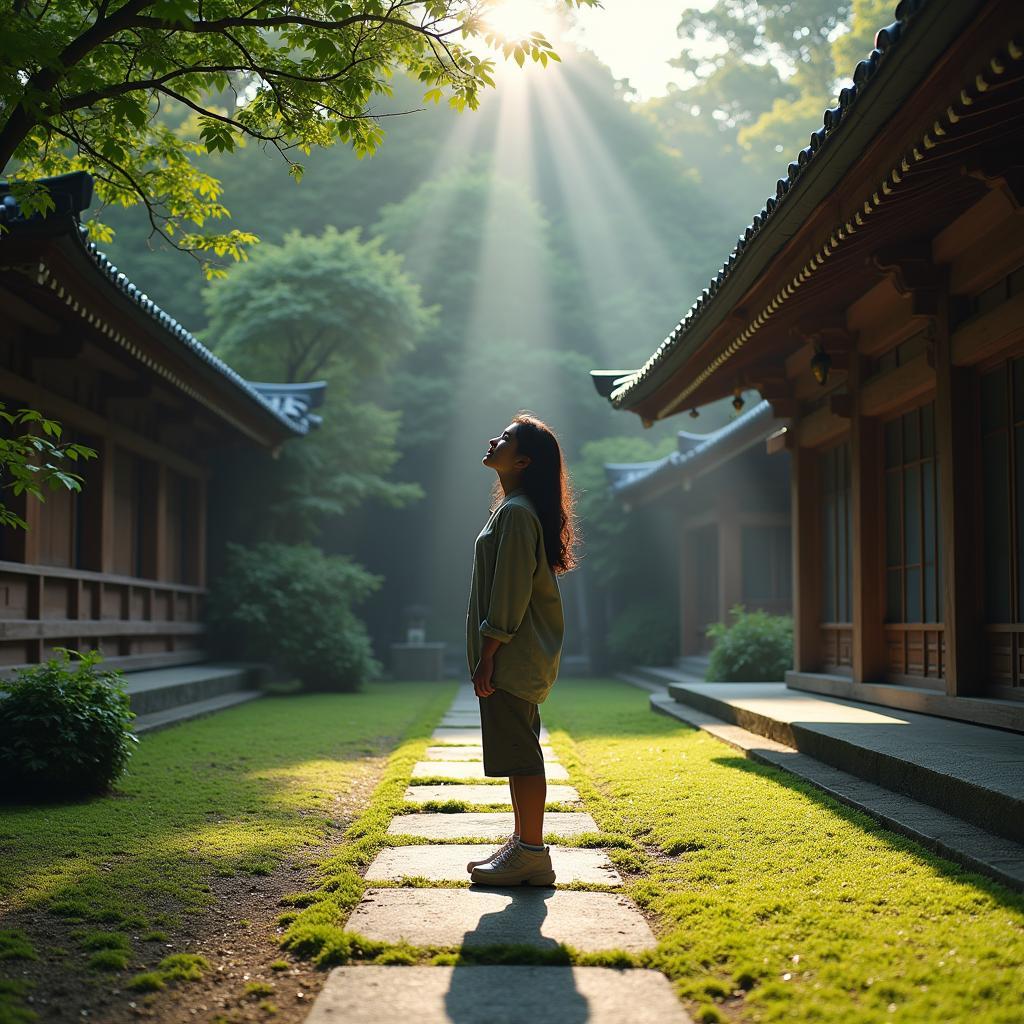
(821, 363)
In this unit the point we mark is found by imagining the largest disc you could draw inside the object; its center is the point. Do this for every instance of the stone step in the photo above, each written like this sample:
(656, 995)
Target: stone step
(485, 825)
(972, 772)
(483, 794)
(495, 995)
(470, 770)
(185, 712)
(953, 838)
(470, 918)
(451, 753)
(447, 863)
(162, 688)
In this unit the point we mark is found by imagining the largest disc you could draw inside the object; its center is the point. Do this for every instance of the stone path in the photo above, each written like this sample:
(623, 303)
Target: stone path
(479, 917)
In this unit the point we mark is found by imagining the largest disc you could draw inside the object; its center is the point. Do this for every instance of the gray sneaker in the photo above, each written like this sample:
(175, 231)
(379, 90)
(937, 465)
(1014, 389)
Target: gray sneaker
(513, 840)
(517, 867)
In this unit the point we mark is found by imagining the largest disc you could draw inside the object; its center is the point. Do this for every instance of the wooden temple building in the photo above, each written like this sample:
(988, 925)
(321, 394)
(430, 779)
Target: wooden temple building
(877, 305)
(122, 565)
(729, 501)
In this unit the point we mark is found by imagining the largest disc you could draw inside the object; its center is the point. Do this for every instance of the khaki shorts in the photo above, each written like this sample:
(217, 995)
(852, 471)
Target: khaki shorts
(510, 733)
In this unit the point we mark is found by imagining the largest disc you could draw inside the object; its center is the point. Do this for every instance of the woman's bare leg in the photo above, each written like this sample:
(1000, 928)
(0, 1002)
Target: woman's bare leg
(515, 806)
(529, 794)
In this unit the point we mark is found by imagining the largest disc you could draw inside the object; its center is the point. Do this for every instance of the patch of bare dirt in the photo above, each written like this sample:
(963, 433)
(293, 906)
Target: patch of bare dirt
(238, 934)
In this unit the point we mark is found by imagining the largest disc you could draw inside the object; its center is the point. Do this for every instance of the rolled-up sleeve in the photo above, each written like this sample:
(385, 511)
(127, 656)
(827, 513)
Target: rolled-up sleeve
(514, 568)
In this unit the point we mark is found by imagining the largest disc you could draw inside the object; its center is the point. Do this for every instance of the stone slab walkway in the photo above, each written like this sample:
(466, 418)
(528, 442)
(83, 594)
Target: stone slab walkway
(471, 769)
(483, 825)
(496, 995)
(483, 794)
(447, 863)
(477, 917)
(542, 918)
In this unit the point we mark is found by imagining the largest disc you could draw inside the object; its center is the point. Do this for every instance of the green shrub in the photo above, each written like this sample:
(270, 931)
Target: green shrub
(646, 634)
(65, 728)
(756, 647)
(292, 606)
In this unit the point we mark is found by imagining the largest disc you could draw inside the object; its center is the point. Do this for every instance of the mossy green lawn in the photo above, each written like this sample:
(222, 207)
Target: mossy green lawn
(772, 901)
(241, 791)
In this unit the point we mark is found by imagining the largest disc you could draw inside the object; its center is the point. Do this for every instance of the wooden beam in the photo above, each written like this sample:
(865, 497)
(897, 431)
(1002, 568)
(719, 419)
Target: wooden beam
(989, 334)
(991, 258)
(958, 454)
(868, 514)
(806, 548)
(913, 273)
(821, 427)
(841, 406)
(1001, 168)
(61, 346)
(75, 416)
(887, 393)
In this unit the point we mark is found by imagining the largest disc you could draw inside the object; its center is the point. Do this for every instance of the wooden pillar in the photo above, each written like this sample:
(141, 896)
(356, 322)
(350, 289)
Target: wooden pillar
(730, 565)
(161, 566)
(199, 504)
(867, 501)
(104, 507)
(806, 547)
(687, 596)
(956, 444)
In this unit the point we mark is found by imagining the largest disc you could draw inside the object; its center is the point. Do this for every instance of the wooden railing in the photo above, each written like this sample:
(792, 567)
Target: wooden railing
(837, 646)
(136, 623)
(1004, 649)
(917, 653)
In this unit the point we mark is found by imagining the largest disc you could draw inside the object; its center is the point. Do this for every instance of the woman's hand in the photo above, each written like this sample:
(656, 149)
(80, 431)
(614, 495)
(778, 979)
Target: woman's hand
(482, 676)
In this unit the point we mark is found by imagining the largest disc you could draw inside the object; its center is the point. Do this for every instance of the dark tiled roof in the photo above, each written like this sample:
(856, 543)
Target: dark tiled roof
(72, 193)
(886, 43)
(694, 459)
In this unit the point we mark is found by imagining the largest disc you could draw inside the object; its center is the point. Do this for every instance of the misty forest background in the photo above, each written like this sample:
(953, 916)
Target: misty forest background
(483, 262)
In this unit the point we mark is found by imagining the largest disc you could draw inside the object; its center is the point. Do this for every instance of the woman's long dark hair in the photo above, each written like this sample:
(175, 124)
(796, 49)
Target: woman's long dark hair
(546, 483)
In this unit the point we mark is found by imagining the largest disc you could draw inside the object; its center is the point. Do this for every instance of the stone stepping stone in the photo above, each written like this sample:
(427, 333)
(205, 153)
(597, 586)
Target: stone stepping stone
(464, 736)
(449, 753)
(486, 825)
(470, 770)
(528, 916)
(483, 794)
(496, 995)
(448, 864)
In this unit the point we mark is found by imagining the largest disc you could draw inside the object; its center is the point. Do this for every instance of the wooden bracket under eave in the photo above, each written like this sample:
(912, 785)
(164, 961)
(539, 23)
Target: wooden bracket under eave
(1003, 168)
(913, 274)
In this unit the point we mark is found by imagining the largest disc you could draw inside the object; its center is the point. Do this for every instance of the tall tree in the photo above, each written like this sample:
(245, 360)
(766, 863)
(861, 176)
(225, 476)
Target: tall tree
(763, 71)
(330, 307)
(82, 83)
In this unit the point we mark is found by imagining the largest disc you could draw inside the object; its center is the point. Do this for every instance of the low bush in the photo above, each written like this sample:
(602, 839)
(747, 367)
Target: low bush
(65, 728)
(755, 647)
(291, 606)
(646, 634)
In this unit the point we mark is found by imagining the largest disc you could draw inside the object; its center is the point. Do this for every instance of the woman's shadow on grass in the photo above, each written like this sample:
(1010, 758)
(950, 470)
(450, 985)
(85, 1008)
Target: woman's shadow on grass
(527, 977)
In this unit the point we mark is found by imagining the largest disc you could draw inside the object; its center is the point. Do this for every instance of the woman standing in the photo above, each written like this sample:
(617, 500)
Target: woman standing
(514, 633)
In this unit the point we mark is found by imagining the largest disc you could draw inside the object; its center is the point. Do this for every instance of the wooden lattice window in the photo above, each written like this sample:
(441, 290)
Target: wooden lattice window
(913, 577)
(837, 545)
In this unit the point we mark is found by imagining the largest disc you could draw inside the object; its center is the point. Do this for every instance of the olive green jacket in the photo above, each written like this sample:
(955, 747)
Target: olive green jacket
(514, 598)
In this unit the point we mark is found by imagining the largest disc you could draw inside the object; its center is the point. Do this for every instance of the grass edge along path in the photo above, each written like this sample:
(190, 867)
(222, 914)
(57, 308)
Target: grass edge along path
(772, 901)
